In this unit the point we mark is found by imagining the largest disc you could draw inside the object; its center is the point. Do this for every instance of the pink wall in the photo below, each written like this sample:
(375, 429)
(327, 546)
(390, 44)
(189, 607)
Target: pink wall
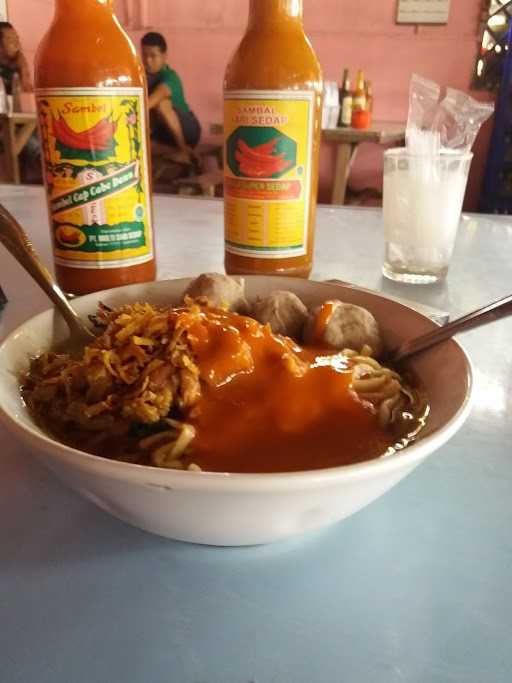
(203, 33)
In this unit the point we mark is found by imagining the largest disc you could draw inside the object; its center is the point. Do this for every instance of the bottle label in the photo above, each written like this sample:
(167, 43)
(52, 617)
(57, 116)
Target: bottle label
(267, 171)
(346, 110)
(96, 175)
(359, 103)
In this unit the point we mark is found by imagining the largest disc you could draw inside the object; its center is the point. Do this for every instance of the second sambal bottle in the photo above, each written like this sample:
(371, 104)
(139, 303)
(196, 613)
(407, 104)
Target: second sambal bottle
(272, 120)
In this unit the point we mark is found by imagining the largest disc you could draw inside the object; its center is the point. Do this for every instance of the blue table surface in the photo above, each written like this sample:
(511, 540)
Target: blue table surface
(415, 587)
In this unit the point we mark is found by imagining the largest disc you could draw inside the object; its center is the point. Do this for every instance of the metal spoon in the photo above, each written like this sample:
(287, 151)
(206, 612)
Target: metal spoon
(494, 311)
(15, 240)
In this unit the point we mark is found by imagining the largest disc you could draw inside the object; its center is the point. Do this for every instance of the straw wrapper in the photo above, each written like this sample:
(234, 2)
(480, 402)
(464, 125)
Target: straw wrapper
(450, 124)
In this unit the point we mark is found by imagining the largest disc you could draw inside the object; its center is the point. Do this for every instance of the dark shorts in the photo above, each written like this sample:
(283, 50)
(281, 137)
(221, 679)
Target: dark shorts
(189, 125)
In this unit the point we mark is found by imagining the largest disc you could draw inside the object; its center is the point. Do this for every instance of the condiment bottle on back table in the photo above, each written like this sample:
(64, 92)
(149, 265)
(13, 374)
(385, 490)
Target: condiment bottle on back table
(92, 109)
(272, 121)
(345, 118)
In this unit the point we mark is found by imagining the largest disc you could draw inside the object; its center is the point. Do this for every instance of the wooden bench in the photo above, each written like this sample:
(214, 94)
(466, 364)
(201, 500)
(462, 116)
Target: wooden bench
(170, 175)
(207, 184)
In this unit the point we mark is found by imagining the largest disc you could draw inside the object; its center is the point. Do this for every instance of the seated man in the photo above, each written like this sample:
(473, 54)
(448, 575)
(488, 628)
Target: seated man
(12, 59)
(171, 120)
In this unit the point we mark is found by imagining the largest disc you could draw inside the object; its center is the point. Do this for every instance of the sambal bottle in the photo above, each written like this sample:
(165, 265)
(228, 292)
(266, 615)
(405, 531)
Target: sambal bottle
(92, 110)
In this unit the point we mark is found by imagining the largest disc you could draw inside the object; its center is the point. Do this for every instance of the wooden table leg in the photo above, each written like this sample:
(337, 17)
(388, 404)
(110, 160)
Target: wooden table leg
(15, 163)
(220, 157)
(344, 157)
(9, 154)
(23, 135)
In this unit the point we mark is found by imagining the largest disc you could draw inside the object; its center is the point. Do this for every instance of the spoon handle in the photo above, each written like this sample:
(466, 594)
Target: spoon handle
(16, 240)
(493, 311)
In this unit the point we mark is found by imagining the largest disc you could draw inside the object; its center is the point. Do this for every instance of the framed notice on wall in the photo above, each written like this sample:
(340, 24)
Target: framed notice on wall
(3, 10)
(423, 11)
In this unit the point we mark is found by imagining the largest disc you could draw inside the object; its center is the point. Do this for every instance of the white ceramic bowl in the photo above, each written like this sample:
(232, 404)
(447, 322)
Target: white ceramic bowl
(237, 509)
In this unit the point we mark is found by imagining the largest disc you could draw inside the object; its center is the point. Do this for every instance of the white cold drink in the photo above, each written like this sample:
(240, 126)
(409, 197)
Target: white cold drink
(422, 205)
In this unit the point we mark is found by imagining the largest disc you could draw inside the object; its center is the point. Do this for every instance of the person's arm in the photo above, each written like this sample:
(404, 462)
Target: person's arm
(161, 92)
(26, 80)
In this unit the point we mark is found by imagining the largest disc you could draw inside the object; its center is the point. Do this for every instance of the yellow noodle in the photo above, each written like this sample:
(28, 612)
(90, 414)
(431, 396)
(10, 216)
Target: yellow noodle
(369, 384)
(367, 360)
(150, 441)
(174, 465)
(378, 385)
(386, 409)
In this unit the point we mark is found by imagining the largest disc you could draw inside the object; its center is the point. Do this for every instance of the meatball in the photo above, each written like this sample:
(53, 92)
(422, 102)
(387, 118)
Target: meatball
(343, 326)
(221, 291)
(283, 311)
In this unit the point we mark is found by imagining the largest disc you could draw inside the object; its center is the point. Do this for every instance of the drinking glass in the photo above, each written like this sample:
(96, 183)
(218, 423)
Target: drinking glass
(422, 206)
